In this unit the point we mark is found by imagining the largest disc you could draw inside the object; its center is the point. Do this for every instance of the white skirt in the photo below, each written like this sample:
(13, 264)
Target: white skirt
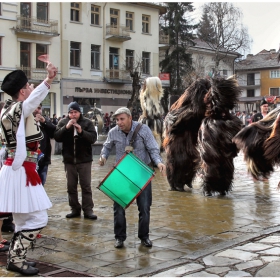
(16, 197)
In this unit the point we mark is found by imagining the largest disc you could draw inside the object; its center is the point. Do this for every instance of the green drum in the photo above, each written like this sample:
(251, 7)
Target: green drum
(126, 180)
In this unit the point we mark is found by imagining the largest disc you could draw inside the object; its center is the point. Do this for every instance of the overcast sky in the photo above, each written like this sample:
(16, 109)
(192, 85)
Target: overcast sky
(262, 20)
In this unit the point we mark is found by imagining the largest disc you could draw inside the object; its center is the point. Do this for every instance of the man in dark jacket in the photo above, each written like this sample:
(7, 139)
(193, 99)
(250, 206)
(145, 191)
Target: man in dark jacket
(48, 128)
(77, 134)
(263, 113)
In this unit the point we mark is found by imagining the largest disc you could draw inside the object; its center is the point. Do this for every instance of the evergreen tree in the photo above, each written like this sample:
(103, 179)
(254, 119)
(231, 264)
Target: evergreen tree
(205, 31)
(177, 61)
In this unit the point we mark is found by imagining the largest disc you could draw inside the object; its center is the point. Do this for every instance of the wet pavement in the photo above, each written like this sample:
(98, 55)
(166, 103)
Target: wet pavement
(195, 236)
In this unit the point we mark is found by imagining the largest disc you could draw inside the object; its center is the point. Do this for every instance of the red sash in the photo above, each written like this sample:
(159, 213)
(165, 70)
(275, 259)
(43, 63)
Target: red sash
(32, 175)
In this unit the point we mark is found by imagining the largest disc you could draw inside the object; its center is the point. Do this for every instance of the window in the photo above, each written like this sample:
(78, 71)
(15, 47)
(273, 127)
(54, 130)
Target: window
(40, 49)
(274, 74)
(75, 50)
(95, 14)
(129, 59)
(274, 91)
(129, 21)
(114, 58)
(250, 93)
(95, 57)
(42, 11)
(251, 79)
(75, 11)
(25, 58)
(0, 9)
(146, 62)
(114, 17)
(145, 24)
(225, 72)
(25, 11)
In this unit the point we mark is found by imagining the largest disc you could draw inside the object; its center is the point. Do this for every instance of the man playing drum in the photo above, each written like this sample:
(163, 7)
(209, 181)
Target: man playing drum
(146, 148)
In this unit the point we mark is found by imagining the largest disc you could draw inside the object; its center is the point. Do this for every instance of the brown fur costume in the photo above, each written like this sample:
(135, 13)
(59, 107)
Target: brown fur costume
(260, 144)
(150, 97)
(215, 145)
(181, 127)
(198, 134)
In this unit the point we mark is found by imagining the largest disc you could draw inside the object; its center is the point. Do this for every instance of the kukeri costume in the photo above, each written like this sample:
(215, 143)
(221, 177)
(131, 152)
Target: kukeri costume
(21, 191)
(198, 134)
(150, 97)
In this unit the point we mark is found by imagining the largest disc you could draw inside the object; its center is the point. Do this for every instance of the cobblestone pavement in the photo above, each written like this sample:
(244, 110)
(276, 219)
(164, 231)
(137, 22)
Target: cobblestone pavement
(195, 236)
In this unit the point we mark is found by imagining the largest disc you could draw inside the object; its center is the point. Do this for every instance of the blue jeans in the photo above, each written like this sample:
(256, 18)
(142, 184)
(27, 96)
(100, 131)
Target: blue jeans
(144, 202)
(43, 171)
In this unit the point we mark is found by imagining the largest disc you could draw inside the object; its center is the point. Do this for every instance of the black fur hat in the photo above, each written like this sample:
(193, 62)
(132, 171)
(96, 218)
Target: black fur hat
(263, 102)
(13, 82)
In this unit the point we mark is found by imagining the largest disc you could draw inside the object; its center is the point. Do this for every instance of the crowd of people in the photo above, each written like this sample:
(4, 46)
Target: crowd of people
(249, 117)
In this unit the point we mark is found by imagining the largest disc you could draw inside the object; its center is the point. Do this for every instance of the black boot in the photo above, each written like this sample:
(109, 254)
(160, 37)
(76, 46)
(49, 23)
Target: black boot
(20, 243)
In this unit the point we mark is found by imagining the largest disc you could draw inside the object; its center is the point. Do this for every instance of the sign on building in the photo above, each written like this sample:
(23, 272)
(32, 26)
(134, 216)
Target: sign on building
(165, 79)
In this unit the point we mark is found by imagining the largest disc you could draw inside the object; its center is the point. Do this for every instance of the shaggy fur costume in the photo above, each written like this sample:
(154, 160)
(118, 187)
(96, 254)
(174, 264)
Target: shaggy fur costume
(150, 97)
(260, 144)
(181, 127)
(215, 145)
(198, 134)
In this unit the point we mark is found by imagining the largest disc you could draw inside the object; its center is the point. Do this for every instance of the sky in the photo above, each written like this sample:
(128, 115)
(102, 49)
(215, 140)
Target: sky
(262, 20)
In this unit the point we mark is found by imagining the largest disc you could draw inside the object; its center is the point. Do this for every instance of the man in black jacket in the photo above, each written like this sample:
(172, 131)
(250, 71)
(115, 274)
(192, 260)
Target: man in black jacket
(48, 128)
(77, 134)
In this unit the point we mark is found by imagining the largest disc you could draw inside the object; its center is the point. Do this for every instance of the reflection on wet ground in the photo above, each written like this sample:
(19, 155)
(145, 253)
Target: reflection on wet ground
(183, 224)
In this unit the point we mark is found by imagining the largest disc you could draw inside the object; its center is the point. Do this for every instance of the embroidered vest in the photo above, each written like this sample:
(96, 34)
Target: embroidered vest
(9, 122)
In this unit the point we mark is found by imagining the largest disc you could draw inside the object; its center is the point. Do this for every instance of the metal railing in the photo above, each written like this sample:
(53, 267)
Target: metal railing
(117, 30)
(37, 25)
(32, 73)
(116, 74)
(245, 83)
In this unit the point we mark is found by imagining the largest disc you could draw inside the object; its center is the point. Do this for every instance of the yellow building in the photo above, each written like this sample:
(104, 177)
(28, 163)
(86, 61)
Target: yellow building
(94, 45)
(259, 77)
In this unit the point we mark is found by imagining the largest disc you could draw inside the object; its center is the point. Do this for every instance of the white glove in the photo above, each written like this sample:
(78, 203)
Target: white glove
(102, 160)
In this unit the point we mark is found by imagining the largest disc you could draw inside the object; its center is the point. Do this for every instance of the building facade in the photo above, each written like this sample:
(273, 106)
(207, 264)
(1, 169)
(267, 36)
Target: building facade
(94, 44)
(259, 77)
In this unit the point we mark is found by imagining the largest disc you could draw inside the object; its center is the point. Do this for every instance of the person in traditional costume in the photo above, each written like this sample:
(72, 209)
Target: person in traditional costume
(198, 136)
(150, 97)
(21, 191)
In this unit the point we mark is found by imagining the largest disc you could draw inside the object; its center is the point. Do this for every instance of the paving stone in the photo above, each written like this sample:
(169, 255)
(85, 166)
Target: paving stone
(271, 270)
(250, 264)
(254, 247)
(219, 261)
(237, 273)
(270, 239)
(217, 270)
(273, 251)
(202, 274)
(237, 254)
(270, 258)
(179, 271)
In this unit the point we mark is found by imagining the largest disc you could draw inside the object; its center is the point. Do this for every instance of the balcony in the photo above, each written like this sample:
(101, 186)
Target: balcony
(117, 76)
(250, 84)
(118, 33)
(34, 25)
(163, 40)
(35, 75)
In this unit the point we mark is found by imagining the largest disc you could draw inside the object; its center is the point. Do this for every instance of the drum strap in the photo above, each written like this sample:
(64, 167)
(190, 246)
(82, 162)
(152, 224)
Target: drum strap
(130, 147)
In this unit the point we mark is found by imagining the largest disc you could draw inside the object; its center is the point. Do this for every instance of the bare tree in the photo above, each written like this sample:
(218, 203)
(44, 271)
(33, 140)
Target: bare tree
(229, 35)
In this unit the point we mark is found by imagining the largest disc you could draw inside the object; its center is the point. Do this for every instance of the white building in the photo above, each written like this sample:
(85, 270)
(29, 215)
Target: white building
(94, 44)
